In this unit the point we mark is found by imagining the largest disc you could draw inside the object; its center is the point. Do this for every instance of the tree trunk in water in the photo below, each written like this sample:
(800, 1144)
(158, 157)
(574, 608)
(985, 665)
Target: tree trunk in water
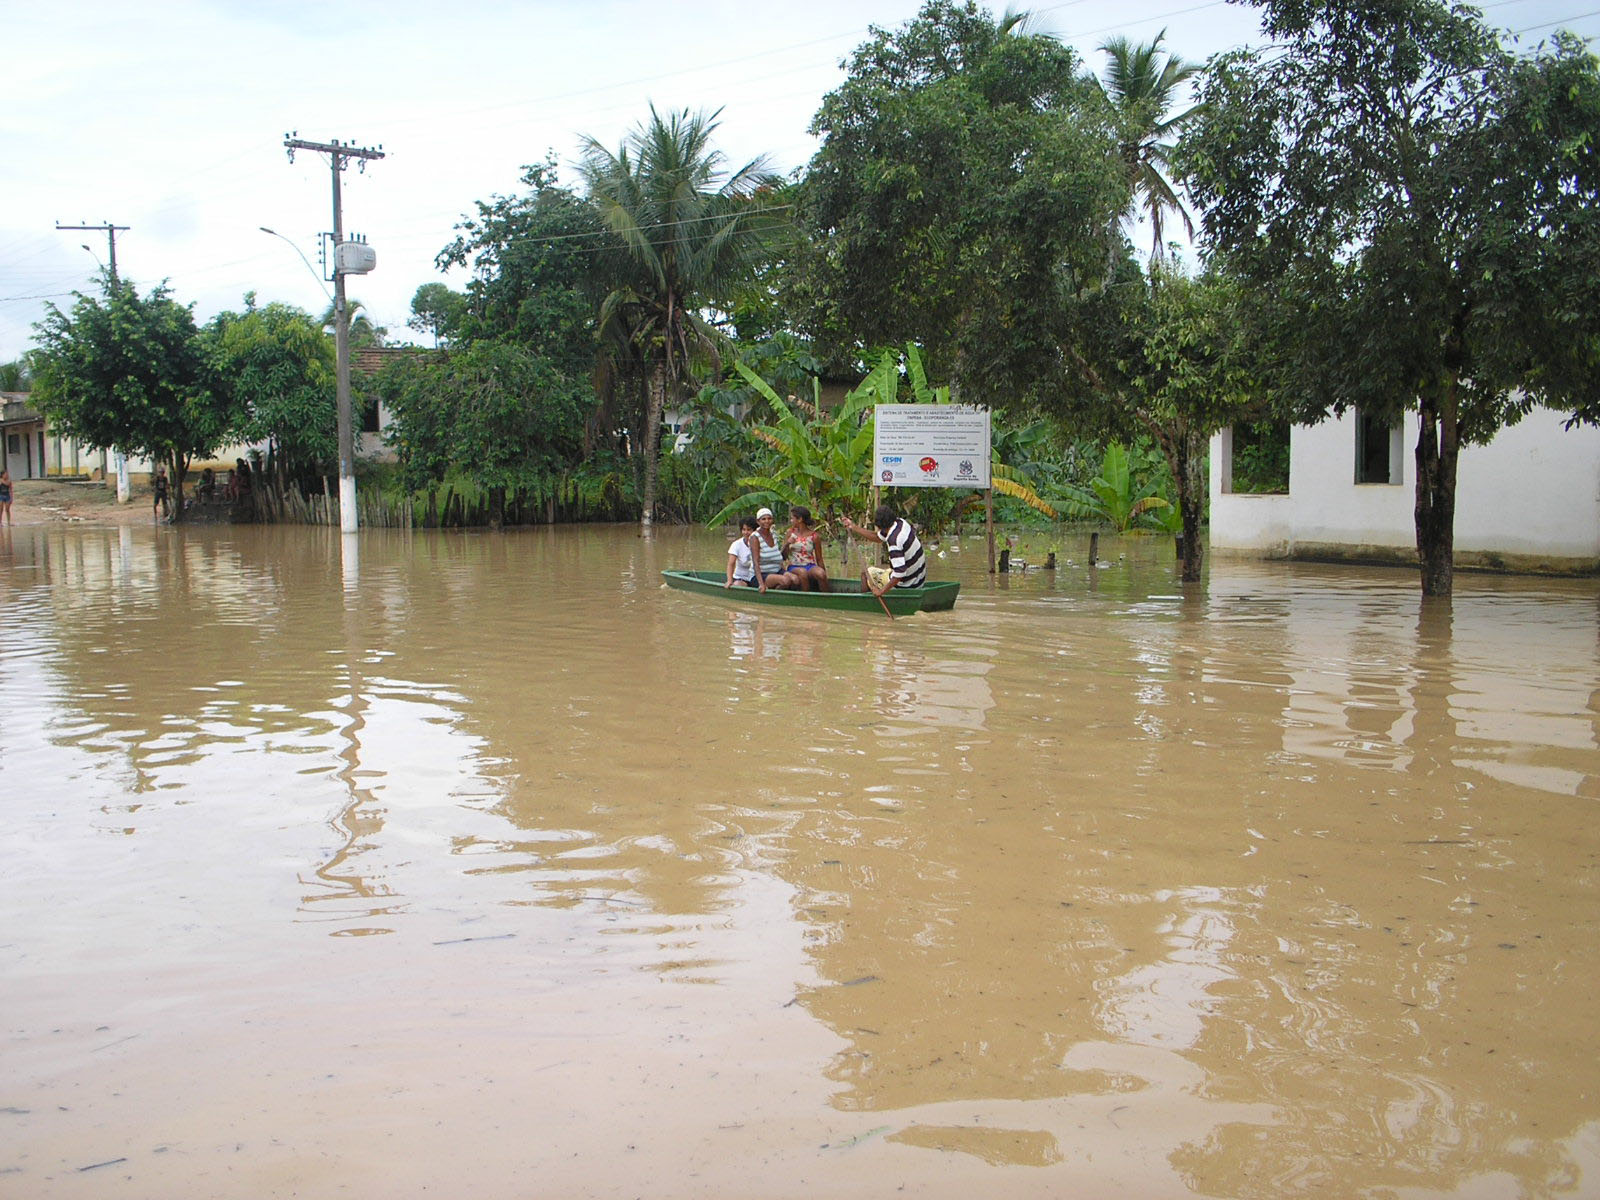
(655, 404)
(497, 508)
(1438, 445)
(1190, 480)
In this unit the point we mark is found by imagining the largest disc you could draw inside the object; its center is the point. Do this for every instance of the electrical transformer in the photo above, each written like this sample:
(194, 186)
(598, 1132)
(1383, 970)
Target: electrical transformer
(354, 258)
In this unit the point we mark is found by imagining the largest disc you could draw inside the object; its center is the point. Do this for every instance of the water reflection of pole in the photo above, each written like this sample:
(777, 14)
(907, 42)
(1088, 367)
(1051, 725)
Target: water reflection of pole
(351, 823)
(350, 566)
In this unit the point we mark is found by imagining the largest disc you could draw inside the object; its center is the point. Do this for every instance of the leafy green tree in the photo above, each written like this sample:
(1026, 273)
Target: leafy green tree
(1189, 373)
(702, 475)
(532, 257)
(438, 312)
(762, 306)
(689, 230)
(1140, 89)
(1418, 210)
(421, 423)
(279, 366)
(1173, 360)
(1037, 451)
(130, 373)
(961, 197)
(499, 414)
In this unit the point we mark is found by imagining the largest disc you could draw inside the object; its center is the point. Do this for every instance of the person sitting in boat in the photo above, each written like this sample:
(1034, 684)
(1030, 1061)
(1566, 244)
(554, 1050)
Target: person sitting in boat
(741, 558)
(803, 546)
(908, 566)
(768, 550)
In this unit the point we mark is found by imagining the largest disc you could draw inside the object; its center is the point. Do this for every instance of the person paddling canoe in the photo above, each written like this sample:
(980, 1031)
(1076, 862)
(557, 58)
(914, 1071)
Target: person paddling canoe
(908, 566)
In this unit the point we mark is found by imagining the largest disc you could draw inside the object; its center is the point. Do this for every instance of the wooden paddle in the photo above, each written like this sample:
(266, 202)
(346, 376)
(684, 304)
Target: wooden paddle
(853, 527)
(881, 604)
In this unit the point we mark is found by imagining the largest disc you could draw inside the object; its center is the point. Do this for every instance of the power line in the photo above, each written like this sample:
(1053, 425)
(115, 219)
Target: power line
(44, 296)
(1176, 12)
(1562, 21)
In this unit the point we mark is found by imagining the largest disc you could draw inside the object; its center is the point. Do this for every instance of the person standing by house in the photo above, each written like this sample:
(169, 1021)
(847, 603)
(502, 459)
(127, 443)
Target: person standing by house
(908, 566)
(5, 496)
(160, 495)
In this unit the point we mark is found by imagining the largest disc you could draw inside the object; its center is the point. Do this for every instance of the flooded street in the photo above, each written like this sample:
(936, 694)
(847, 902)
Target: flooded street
(486, 866)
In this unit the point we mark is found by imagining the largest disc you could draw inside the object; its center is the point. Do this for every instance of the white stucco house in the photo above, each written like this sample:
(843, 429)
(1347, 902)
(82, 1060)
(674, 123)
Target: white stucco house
(1527, 501)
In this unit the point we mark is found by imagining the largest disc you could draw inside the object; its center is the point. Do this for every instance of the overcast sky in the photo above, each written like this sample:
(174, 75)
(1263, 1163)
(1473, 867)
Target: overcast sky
(170, 119)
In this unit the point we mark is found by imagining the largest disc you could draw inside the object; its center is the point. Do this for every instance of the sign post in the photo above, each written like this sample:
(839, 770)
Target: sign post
(933, 445)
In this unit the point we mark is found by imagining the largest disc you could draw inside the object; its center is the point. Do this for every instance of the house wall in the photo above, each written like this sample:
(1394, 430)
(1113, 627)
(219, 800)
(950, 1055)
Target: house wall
(1534, 490)
(22, 451)
(1528, 500)
(1250, 523)
(1330, 509)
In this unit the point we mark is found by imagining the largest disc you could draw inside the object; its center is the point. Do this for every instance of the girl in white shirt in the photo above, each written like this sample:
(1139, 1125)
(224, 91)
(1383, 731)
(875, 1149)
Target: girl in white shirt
(741, 559)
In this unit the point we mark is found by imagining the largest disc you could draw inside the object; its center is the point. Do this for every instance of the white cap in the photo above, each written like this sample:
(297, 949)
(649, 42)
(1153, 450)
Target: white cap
(763, 512)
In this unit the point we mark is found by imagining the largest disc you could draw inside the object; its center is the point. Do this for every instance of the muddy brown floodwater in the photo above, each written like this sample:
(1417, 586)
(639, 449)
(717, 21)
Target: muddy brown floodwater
(485, 866)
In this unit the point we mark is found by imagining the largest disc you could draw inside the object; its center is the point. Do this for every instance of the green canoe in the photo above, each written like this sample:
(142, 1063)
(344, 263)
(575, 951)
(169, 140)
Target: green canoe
(847, 594)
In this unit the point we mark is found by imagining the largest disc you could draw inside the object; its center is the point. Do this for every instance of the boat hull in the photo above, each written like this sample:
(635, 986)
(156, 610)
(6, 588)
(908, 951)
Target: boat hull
(847, 595)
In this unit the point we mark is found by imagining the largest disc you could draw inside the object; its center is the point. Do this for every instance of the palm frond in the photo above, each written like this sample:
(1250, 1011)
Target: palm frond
(1000, 482)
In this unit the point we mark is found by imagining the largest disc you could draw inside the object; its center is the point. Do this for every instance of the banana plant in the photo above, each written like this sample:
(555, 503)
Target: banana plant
(824, 459)
(1008, 481)
(1114, 496)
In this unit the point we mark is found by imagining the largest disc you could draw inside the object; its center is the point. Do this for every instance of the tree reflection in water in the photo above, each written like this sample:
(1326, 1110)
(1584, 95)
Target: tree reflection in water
(1278, 886)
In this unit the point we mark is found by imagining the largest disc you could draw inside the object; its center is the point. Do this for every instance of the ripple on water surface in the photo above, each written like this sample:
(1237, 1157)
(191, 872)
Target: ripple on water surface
(1280, 885)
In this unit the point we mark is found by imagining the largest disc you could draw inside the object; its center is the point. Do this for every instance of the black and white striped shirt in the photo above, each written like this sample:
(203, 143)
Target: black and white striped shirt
(906, 560)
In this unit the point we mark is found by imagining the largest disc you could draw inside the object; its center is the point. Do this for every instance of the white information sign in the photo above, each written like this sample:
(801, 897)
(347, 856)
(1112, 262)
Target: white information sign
(930, 445)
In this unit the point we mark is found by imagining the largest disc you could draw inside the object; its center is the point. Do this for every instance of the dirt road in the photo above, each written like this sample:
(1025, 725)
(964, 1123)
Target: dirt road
(41, 501)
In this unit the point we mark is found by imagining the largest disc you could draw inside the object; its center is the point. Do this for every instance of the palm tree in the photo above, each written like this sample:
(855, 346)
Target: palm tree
(362, 331)
(688, 230)
(1140, 88)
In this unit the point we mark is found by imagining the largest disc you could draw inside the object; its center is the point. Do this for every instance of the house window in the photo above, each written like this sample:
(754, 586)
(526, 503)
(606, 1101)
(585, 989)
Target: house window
(13, 443)
(1378, 452)
(1256, 458)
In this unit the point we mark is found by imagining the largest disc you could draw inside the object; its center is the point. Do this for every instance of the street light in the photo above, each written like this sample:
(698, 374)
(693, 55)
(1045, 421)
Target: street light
(320, 282)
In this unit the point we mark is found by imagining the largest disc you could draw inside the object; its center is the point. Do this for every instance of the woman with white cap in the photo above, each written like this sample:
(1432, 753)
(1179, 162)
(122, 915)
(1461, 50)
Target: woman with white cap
(769, 554)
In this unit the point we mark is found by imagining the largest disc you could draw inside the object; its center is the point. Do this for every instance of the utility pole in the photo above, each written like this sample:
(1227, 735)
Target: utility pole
(124, 485)
(110, 231)
(339, 155)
